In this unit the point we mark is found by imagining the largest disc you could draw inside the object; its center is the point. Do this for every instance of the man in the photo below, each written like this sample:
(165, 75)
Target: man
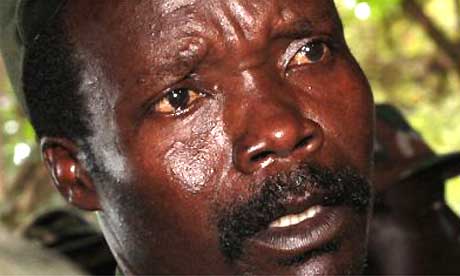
(217, 136)
(413, 230)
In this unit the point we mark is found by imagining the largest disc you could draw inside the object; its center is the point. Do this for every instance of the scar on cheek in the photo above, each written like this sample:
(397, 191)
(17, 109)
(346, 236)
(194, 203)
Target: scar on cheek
(192, 166)
(193, 161)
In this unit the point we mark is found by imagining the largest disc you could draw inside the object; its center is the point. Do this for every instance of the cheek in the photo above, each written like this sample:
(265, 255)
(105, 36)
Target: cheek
(187, 152)
(166, 206)
(194, 160)
(354, 117)
(341, 101)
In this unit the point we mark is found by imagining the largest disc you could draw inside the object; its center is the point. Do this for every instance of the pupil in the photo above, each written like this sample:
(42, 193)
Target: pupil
(179, 98)
(314, 51)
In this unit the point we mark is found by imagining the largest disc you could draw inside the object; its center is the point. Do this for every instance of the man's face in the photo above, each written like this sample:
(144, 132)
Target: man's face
(245, 133)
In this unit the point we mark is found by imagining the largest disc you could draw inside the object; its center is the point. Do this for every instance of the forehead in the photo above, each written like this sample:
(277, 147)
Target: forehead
(228, 20)
(163, 40)
(245, 11)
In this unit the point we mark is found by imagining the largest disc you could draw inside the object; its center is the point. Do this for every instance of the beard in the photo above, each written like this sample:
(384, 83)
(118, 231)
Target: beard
(241, 221)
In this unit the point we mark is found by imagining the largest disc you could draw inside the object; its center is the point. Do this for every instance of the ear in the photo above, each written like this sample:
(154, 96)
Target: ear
(69, 176)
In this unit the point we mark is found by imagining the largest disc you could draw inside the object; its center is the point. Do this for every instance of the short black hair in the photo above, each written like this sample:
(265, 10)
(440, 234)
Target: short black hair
(51, 83)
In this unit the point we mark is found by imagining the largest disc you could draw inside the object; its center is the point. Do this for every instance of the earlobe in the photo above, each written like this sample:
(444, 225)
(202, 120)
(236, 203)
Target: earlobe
(69, 176)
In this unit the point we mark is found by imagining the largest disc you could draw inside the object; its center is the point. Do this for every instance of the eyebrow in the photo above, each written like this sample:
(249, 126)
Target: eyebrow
(179, 68)
(295, 29)
(174, 66)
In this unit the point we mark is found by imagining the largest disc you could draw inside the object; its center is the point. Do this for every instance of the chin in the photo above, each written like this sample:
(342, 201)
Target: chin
(332, 263)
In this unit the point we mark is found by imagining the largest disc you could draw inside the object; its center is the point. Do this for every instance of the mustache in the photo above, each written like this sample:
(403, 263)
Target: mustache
(241, 221)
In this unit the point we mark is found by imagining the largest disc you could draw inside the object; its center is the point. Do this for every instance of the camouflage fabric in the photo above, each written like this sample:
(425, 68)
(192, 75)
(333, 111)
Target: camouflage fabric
(401, 153)
(21, 257)
(21, 22)
(68, 233)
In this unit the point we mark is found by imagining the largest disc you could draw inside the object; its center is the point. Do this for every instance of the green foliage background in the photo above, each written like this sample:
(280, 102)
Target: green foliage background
(404, 66)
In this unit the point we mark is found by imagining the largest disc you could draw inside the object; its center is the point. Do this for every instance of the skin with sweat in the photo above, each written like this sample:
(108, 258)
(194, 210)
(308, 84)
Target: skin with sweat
(194, 105)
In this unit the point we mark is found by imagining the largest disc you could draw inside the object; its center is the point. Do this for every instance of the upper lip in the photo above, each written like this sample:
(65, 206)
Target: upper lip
(295, 204)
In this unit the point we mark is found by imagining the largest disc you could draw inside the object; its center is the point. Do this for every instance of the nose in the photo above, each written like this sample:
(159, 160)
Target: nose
(284, 136)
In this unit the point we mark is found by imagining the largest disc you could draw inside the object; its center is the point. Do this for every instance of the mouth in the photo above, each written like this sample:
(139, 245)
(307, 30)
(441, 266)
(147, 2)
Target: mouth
(296, 217)
(291, 220)
(308, 225)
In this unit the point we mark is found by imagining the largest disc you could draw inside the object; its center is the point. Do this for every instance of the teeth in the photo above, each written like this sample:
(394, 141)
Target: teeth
(290, 220)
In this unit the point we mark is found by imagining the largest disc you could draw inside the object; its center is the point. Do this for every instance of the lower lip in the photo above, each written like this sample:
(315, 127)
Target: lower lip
(285, 242)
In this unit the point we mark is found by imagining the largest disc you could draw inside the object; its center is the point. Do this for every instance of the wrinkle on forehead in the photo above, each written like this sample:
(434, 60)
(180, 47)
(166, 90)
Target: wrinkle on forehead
(171, 6)
(242, 20)
(249, 15)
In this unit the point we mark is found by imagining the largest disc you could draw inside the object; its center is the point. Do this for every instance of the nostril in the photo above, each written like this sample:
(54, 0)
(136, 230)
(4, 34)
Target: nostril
(304, 142)
(261, 156)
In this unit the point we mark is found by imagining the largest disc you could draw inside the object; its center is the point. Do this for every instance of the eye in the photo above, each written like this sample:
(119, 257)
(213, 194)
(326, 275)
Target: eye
(177, 101)
(310, 53)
